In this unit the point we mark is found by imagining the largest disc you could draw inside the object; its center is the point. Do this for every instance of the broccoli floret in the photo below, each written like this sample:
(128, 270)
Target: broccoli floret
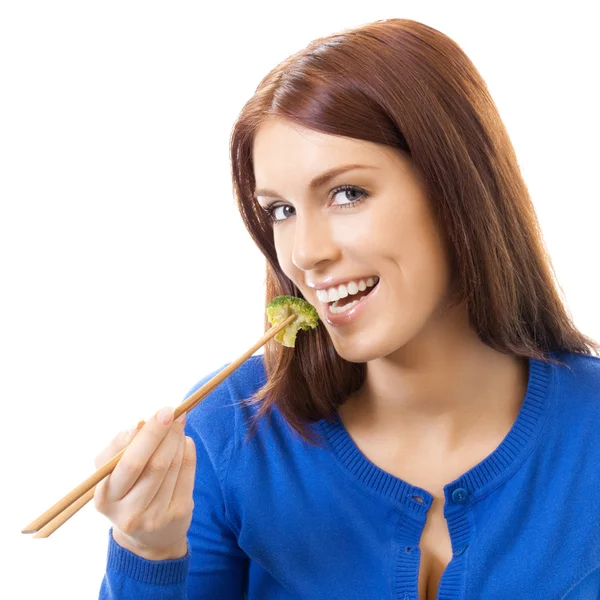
(281, 307)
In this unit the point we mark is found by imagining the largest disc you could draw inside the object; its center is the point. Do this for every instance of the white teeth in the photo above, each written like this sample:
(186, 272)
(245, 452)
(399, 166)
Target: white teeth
(342, 291)
(340, 309)
(352, 288)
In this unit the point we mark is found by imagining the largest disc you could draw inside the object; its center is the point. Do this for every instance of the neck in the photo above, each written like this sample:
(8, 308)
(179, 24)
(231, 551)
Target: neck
(442, 395)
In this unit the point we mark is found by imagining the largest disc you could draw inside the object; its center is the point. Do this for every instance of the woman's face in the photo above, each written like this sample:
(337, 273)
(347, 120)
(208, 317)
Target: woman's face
(382, 226)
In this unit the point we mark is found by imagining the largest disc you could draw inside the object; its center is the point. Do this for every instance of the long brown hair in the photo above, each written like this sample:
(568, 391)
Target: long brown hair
(403, 84)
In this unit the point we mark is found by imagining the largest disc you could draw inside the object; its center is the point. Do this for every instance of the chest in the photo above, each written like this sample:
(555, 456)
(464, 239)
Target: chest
(514, 543)
(432, 474)
(436, 551)
(435, 543)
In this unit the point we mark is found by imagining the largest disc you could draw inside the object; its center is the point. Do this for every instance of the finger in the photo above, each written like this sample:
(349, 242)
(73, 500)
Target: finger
(115, 446)
(122, 439)
(149, 482)
(100, 496)
(160, 503)
(184, 488)
(140, 450)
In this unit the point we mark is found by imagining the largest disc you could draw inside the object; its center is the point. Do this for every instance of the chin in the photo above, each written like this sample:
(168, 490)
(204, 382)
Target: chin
(362, 348)
(357, 353)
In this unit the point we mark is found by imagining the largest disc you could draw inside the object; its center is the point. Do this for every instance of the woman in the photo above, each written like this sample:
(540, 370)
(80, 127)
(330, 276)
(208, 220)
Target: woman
(436, 435)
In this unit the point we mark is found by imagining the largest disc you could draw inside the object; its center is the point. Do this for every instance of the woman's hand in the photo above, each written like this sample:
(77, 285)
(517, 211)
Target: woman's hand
(148, 496)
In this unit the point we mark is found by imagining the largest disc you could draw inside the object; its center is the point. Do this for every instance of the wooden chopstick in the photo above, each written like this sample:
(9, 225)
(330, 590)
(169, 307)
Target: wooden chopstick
(84, 492)
(65, 515)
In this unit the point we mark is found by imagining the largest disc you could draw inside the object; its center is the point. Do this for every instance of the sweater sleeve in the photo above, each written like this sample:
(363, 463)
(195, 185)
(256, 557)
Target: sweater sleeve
(215, 566)
(129, 576)
(218, 566)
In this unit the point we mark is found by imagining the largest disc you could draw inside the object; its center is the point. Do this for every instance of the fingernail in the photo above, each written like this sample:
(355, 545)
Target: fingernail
(165, 415)
(181, 418)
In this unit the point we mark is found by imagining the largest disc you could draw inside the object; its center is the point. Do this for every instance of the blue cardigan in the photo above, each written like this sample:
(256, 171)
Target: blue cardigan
(278, 519)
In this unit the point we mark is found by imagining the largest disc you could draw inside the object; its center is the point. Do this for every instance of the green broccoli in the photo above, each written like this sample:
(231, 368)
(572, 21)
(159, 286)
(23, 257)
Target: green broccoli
(281, 307)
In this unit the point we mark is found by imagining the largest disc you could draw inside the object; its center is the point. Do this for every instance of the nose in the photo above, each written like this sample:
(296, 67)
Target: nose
(313, 242)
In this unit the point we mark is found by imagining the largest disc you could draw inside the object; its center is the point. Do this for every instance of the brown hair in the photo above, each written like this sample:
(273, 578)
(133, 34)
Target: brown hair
(403, 84)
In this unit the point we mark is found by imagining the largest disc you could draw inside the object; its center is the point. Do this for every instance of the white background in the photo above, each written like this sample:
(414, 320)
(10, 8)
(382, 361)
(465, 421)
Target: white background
(126, 272)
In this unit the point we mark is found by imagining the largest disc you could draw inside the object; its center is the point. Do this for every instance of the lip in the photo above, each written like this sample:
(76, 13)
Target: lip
(342, 319)
(331, 282)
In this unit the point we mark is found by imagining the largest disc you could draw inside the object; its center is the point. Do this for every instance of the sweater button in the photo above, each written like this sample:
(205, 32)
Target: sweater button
(459, 495)
(460, 551)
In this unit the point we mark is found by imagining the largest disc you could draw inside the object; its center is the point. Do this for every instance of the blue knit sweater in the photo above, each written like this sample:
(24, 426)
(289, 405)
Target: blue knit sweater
(277, 519)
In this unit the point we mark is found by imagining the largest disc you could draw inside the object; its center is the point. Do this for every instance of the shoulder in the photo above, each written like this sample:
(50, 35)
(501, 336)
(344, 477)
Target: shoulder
(580, 377)
(577, 390)
(222, 415)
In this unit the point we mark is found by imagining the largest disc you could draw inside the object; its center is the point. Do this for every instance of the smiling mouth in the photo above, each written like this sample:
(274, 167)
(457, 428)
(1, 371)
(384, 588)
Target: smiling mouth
(352, 298)
(349, 302)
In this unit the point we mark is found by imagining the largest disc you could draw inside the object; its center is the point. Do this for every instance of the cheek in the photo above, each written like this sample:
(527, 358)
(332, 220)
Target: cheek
(427, 266)
(363, 231)
(283, 251)
(410, 240)
(281, 243)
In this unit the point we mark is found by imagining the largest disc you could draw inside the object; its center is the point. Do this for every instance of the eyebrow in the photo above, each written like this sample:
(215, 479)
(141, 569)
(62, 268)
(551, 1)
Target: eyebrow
(319, 180)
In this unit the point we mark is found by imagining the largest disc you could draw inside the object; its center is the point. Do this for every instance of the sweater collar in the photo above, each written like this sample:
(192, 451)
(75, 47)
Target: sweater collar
(478, 481)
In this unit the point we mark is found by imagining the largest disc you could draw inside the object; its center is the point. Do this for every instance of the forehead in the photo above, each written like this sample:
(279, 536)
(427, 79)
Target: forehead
(282, 148)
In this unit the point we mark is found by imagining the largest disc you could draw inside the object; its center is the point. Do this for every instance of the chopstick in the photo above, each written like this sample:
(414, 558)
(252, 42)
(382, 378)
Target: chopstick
(65, 515)
(84, 492)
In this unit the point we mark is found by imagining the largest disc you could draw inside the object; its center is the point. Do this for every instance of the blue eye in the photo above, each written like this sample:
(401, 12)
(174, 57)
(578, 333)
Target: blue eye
(348, 188)
(271, 208)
